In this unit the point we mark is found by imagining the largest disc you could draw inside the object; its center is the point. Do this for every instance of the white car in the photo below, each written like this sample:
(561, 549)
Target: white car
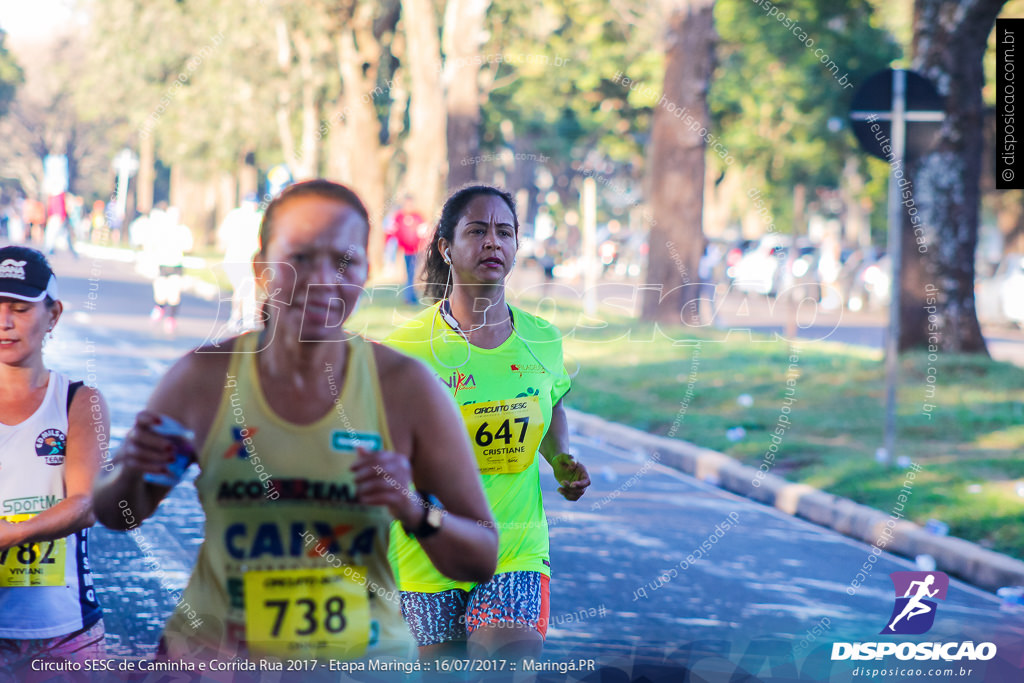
(1000, 298)
(758, 270)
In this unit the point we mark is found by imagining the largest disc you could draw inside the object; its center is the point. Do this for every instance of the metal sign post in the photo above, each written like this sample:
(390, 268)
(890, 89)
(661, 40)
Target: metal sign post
(126, 164)
(588, 259)
(924, 111)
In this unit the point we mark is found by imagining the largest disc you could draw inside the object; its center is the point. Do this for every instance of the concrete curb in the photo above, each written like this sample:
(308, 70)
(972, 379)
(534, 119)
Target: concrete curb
(976, 565)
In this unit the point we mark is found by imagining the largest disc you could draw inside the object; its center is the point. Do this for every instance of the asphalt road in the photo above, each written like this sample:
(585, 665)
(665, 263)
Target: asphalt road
(633, 588)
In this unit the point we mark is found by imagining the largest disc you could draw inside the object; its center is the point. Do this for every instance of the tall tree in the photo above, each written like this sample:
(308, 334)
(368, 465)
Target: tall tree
(11, 75)
(45, 118)
(775, 103)
(359, 155)
(950, 38)
(676, 168)
(558, 100)
(426, 146)
(463, 37)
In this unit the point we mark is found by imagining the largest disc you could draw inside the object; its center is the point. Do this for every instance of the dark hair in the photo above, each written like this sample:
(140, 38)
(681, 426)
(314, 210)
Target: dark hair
(436, 272)
(317, 187)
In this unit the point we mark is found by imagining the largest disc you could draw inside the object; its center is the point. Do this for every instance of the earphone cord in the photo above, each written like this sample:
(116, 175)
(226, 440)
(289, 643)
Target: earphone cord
(433, 323)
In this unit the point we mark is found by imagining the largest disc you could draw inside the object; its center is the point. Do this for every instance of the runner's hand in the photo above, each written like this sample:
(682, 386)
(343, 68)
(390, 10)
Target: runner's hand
(383, 478)
(572, 476)
(144, 451)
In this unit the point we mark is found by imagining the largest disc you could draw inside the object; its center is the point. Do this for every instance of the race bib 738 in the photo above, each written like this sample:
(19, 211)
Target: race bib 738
(308, 612)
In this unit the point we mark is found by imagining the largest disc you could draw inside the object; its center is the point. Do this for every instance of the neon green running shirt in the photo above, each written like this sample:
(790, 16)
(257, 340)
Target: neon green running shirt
(505, 396)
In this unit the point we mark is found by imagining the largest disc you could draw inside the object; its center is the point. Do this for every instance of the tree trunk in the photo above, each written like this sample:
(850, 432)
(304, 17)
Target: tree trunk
(310, 153)
(359, 131)
(227, 195)
(950, 39)
(248, 174)
(283, 113)
(858, 221)
(676, 170)
(463, 38)
(147, 173)
(426, 146)
(799, 210)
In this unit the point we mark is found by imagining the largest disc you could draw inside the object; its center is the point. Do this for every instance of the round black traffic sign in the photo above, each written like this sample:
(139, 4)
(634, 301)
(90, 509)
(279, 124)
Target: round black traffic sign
(875, 98)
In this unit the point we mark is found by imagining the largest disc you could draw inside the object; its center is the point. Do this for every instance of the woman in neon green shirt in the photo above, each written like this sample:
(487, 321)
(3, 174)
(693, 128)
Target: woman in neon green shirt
(504, 368)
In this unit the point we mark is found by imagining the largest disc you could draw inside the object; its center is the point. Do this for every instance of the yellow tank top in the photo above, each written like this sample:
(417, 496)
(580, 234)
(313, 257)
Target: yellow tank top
(291, 564)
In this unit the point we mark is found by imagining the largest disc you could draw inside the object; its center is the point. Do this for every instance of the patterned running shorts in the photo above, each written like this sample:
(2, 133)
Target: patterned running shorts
(510, 598)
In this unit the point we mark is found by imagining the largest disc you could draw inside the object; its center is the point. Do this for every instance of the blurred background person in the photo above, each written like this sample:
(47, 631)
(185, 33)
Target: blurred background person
(166, 242)
(33, 214)
(239, 237)
(410, 230)
(98, 229)
(77, 225)
(15, 228)
(115, 221)
(390, 239)
(57, 228)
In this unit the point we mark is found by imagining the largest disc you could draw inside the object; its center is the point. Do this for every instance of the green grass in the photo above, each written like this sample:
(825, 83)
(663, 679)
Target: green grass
(633, 373)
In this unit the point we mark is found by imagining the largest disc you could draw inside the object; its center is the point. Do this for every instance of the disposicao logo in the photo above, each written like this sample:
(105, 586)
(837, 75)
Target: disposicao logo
(913, 613)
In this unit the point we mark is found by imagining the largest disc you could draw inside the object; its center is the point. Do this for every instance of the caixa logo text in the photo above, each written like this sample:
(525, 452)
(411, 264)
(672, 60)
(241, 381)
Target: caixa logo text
(948, 652)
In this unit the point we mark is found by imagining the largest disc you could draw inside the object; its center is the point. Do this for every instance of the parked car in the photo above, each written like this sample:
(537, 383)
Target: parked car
(876, 280)
(852, 284)
(758, 270)
(798, 275)
(1000, 298)
(734, 254)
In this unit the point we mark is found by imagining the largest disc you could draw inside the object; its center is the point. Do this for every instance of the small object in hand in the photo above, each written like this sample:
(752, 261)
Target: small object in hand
(184, 453)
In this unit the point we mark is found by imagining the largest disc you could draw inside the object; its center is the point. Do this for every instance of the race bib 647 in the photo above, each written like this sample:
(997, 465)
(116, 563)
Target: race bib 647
(505, 434)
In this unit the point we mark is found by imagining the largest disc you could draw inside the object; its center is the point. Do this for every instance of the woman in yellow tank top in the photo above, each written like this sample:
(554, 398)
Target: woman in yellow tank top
(310, 441)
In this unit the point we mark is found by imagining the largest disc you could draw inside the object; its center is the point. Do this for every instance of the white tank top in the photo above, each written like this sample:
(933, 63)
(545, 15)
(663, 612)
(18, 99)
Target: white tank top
(46, 588)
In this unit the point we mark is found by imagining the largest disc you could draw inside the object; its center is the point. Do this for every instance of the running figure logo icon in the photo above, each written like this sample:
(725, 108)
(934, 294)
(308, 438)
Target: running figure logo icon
(913, 613)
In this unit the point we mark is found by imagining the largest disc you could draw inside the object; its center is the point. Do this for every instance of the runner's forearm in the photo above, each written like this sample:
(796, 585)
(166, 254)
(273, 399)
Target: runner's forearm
(464, 549)
(64, 518)
(122, 500)
(556, 441)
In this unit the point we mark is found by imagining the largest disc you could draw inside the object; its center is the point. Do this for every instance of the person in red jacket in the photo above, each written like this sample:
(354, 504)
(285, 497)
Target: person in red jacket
(410, 229)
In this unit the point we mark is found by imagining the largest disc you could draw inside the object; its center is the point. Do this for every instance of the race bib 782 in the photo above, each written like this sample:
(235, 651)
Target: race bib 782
(32, 564)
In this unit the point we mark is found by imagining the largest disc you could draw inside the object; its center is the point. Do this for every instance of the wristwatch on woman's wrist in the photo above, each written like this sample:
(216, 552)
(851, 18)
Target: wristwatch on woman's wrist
(433, 514)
